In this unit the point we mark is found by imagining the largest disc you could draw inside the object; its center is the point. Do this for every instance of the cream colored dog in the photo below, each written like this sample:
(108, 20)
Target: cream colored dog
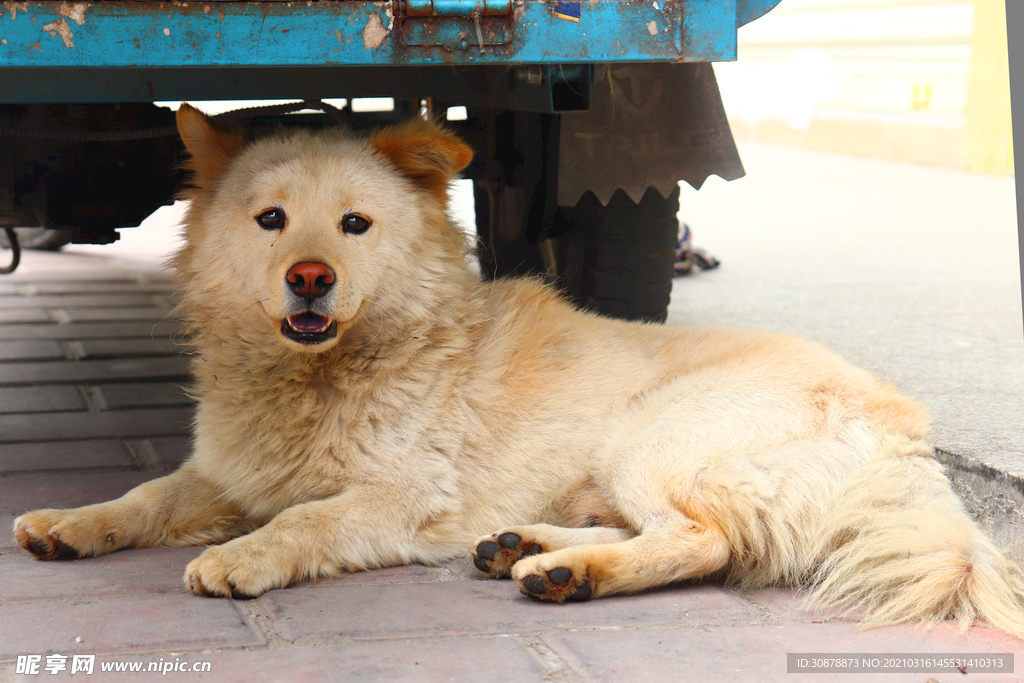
(365, 401)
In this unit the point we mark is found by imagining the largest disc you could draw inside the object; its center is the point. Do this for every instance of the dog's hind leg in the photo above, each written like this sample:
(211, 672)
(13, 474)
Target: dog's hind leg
(650, 474)
(678, 549)
(495, 554)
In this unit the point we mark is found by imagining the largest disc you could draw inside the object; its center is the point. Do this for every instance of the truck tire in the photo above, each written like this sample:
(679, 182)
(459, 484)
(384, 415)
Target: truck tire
(618, 260)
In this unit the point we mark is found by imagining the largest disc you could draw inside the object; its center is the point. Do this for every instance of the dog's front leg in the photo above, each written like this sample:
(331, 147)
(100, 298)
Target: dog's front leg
(179, 509)
(363, 528)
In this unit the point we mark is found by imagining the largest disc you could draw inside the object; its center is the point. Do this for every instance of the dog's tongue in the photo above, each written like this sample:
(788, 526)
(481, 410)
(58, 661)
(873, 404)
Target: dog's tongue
(308, 321)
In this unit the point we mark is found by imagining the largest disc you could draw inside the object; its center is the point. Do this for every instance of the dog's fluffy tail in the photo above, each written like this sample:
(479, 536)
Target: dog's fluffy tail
(898, 544)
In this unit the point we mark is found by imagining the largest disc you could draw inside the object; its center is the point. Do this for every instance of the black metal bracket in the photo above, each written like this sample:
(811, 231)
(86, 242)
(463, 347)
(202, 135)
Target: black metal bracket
(12, 238)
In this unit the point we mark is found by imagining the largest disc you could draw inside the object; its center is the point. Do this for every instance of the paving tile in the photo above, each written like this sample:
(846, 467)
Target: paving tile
(502, 660)
(122, 625)
(169, 367)
(20, 493)
(460, 569)
(25, 315)
(791, 604)
(121, 348)
(30, 350)
(757, 654)
(149, 570)
(77, 300)
(169, 450)
(122, 424)
(413, 573)
(140, 395)
(163, 275)
(37, 287)
(7, 541)
(84, 315)
(91, 330)
(61, 397)
(8, 288)
(60, 455)
(314, 612)
(68, 276)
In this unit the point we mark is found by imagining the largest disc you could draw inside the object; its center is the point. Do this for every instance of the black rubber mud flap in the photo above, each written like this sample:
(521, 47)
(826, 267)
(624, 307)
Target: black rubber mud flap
(618, 260)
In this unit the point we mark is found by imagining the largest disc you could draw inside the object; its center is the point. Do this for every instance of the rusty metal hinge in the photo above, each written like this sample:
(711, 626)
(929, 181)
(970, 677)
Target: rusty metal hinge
(456, 24)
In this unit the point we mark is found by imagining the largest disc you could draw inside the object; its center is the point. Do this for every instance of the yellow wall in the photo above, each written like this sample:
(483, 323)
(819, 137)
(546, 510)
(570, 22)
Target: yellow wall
(988, 143)
(914, 80)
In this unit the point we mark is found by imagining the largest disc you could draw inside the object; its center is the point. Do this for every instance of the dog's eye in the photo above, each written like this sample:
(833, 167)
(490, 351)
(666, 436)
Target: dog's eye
(354, 224)
(271, 220)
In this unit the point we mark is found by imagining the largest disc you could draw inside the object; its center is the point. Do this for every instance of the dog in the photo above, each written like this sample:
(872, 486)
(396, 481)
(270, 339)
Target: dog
(364, 400)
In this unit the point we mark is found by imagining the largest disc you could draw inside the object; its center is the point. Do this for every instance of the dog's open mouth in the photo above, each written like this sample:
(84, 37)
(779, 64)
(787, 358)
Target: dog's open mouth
(309, 328)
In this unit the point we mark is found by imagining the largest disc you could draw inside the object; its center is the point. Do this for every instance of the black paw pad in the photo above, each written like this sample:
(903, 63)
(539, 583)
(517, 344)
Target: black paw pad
(64, 550)
(37, 547)
(488, 550)
(509, 541)
(534, 549)
(582, 592)
(560, 575)
(239, 595)
(481, 564)
(535, 584)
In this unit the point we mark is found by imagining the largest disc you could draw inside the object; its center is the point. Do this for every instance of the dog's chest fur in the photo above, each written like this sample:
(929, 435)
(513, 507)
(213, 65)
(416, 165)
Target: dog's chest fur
(274, 439)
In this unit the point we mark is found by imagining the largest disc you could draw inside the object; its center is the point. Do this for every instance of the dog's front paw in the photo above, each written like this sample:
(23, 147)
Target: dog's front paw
(555, 577)
(65, 534)
(234, 570)
(494, 555)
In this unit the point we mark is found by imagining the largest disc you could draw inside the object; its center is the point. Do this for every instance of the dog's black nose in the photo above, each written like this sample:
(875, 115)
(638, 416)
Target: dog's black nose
(310, 280)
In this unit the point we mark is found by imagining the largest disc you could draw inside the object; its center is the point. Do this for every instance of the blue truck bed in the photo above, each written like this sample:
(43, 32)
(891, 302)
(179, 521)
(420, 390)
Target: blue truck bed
(584, 116)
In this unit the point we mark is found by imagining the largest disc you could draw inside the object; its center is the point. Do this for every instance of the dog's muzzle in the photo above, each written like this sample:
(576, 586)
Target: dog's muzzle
(310, 281)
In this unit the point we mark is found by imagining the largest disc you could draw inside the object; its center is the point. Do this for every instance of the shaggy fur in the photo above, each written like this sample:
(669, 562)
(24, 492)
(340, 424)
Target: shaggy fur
(609, 456)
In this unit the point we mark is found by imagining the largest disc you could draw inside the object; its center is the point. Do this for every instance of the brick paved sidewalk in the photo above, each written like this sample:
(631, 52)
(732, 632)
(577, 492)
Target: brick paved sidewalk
(90, 406)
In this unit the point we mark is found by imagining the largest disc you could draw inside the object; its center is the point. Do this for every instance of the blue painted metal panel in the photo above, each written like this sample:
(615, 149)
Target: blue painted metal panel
(456, 34)
(709, 33)
(145, 34)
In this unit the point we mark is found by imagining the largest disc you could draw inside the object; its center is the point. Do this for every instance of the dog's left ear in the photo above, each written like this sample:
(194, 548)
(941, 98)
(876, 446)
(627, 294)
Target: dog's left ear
(425, 153)
(211, 143)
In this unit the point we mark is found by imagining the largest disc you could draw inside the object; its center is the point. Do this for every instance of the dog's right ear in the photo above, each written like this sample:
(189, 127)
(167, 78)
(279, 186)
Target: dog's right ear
(425, 153)
(212, 145)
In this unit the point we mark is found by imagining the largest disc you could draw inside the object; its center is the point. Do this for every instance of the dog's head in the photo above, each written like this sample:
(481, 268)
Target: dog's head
(308, 228)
